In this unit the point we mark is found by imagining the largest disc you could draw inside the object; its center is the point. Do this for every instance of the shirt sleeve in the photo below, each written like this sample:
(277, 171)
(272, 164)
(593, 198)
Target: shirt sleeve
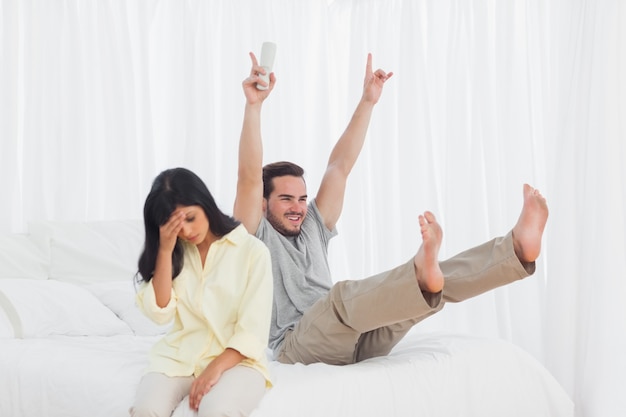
(146, 300)
(326, 233)
(255, 311)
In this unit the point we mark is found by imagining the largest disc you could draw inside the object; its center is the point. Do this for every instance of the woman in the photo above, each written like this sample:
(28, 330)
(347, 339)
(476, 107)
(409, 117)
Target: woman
(203, 270)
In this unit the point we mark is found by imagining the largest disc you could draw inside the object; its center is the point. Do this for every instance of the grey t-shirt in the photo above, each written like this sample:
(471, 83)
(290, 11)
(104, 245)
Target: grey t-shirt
(300, 269)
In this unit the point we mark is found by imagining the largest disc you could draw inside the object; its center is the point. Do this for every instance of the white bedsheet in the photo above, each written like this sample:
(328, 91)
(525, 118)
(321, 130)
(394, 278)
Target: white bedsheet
(71, 375)
(426, 375)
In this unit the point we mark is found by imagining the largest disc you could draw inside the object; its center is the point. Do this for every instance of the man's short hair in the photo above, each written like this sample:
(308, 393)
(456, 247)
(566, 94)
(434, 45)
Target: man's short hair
(278, 169)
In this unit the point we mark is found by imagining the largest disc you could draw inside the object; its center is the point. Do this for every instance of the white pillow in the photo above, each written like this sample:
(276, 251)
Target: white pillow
(119, 296)
(46, 307)
(21, 258)
(86, 252)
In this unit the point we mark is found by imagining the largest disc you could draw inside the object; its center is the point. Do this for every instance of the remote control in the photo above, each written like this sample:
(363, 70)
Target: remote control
(268, 51)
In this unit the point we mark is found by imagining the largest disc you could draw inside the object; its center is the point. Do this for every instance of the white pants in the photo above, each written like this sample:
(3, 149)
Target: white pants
(237, 393)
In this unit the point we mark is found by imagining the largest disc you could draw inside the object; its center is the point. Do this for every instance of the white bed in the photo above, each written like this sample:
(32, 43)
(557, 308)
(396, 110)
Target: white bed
(72, 343)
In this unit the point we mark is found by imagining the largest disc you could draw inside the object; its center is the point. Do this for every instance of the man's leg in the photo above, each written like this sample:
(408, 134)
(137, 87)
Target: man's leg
(475, 271)
(329, 331)
(470, 273)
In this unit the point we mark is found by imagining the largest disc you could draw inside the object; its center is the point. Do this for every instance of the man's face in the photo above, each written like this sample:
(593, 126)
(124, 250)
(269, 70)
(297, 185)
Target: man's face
(287, 205)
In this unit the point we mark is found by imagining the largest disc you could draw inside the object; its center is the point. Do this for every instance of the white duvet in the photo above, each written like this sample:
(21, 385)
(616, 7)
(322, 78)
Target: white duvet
(426, 375)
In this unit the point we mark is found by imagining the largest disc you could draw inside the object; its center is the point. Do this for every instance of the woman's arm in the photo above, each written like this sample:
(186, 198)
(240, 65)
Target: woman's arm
(162, 278)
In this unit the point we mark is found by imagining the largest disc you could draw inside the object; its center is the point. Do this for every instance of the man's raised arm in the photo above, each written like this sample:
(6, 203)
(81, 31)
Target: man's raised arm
(248, 207)
(330, 196)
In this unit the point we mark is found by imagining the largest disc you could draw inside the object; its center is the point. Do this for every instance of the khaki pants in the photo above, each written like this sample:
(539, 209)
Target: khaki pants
(237, 393)
(367, 318)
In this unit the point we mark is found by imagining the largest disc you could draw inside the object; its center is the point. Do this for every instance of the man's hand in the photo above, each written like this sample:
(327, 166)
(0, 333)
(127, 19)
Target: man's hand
(373, 83)
(253, 94)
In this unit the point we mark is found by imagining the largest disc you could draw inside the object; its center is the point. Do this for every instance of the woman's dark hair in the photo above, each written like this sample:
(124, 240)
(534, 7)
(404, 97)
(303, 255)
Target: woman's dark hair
(278, 169)
(172, 187)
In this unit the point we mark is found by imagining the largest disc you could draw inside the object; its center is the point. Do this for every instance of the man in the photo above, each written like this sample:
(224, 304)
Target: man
(316, 321)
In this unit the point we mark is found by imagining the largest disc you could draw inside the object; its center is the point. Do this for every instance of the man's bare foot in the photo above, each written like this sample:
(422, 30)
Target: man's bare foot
(528, 230)
(429, 275)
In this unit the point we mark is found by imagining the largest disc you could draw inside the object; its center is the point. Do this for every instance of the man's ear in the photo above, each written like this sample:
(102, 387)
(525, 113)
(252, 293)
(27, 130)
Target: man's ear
(264, 205)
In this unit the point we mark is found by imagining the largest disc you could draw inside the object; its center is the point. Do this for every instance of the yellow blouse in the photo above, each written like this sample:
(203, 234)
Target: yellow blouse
(226, 304)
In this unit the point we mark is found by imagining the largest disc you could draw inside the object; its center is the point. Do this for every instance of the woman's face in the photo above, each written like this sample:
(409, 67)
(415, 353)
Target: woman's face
(195, 227)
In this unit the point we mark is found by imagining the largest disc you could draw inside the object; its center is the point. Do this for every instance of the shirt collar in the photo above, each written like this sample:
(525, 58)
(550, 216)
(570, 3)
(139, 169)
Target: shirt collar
(236, 236)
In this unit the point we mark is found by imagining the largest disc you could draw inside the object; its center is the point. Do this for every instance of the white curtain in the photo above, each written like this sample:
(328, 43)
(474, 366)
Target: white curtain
(98, 96)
